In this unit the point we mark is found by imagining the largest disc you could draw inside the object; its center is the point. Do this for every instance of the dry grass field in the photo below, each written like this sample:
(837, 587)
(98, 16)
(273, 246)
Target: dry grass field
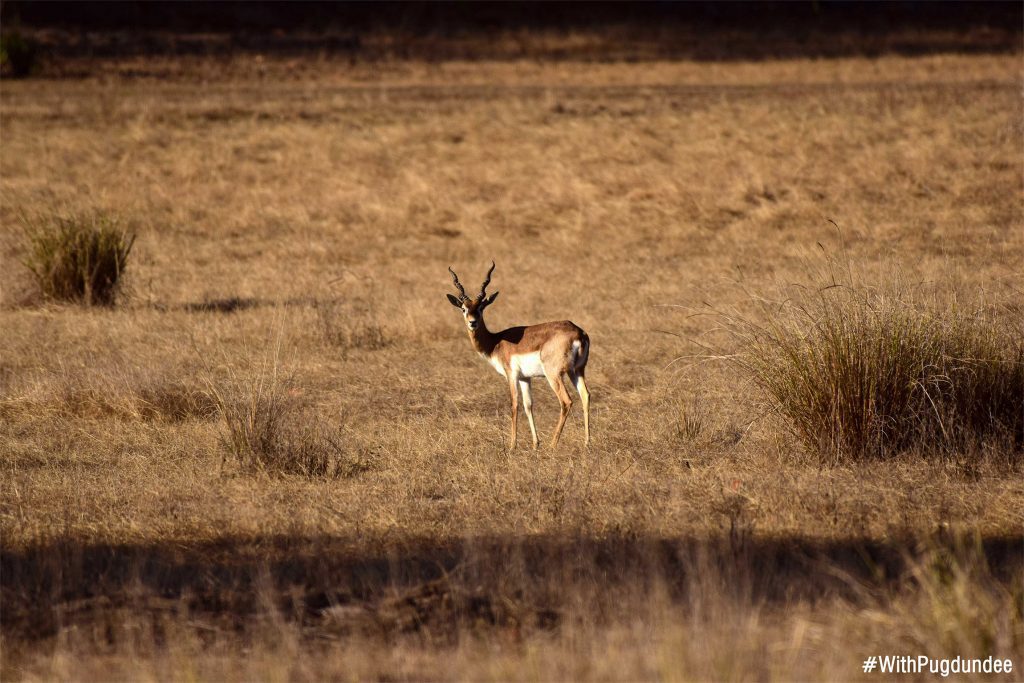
(295, 220)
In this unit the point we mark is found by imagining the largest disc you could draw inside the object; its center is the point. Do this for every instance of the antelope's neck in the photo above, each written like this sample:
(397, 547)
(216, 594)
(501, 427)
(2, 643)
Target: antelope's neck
(483, 341)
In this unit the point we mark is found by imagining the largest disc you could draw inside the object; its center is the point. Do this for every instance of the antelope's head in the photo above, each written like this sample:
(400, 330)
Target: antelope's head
(472, 309)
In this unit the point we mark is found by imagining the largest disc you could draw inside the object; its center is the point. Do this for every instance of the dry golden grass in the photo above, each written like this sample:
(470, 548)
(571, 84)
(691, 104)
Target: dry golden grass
(305, 225)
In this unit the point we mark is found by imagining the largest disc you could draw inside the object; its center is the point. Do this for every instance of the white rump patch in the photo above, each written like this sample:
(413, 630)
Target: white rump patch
(575, 355)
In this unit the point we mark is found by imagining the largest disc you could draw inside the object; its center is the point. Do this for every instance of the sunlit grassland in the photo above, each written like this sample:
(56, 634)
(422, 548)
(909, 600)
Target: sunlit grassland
(293, 236)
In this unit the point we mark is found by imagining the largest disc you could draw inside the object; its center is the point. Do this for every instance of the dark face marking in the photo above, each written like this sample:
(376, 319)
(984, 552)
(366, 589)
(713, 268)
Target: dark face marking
(472, 311)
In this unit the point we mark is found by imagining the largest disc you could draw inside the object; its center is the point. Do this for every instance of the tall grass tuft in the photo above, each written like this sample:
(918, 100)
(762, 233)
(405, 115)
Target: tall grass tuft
(269, 429)
(858, 372)
(79, 258)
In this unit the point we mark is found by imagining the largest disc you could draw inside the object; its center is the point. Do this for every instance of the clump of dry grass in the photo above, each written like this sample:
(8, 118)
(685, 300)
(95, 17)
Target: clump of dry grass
(264, 433)
(694, 420)
(79, 258)
(862, 372)
(270, 429)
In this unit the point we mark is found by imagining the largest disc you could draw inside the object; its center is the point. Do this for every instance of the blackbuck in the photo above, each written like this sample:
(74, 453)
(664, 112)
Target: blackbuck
(520, 354)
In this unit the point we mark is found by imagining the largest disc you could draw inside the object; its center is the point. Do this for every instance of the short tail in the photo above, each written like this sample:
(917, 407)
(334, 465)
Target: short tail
(580, 353)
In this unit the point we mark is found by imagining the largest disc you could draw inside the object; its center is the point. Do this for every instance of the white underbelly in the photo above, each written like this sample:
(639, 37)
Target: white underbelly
(527, 365)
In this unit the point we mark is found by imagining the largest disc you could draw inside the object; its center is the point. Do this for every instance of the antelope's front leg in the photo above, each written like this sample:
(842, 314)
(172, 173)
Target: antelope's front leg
(524, 389)
(515, 412)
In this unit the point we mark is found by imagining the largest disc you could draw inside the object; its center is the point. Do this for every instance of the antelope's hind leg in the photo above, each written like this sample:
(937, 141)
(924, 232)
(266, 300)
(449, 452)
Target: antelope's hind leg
(555, 380)
(524, 389)
(580, 382)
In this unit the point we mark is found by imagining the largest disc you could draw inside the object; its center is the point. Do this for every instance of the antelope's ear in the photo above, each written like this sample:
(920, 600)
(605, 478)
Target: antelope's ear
(490, 300)
(454, 301)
